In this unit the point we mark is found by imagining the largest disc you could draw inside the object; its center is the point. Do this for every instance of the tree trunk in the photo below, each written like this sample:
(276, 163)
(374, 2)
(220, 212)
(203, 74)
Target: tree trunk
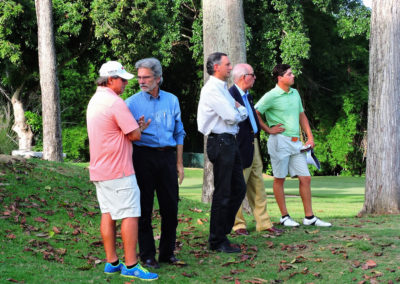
(52, 144)
(382, 190)
(223, 31)
(20, 126)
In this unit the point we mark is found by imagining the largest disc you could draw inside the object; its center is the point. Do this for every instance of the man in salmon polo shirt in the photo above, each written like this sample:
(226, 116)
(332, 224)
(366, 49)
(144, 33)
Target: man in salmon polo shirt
(111, 128)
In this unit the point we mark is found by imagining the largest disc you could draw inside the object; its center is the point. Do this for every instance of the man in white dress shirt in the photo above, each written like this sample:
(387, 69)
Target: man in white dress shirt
(218, 116)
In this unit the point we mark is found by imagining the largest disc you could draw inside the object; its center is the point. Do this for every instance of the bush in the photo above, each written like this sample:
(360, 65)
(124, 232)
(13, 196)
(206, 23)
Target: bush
(76, 143)
(7, 136)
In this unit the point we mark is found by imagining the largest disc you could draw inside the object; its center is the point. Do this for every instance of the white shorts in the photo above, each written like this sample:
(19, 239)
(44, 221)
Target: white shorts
(119, 197)
(286, 157)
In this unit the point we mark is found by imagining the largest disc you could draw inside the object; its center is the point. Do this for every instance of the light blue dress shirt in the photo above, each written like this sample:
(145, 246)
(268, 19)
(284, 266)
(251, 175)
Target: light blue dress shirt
(248, 107)
(165, 128)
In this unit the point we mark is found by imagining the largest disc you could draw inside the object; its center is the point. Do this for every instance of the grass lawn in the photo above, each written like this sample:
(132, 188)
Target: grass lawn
(49, 221)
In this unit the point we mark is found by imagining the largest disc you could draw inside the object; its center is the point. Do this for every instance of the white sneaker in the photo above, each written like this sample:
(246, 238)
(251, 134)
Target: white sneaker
(316, 222)
(289, 222)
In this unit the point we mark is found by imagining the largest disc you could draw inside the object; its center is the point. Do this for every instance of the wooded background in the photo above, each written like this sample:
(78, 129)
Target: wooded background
(325, 41)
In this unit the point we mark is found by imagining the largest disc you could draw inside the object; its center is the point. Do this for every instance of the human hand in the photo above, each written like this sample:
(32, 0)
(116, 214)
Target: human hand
(142, 124)
(276, 129)
(237, 105)
(181, 173)
(311, 143)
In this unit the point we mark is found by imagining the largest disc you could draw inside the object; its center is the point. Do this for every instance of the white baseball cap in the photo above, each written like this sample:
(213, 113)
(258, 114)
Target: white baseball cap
(114, 68)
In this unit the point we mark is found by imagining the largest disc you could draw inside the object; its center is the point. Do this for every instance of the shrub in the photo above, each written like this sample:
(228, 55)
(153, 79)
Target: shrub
(7, 136)
(76, 143)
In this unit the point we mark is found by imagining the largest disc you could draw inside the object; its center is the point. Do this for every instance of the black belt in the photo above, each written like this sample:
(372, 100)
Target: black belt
(222, 135)
(161, 149)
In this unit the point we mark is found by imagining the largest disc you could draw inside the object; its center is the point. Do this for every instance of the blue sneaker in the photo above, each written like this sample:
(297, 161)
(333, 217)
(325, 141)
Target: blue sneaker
(111, 269)
(138, 272)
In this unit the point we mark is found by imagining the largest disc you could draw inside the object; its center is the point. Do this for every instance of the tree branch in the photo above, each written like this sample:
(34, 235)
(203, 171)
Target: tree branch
(5, 93)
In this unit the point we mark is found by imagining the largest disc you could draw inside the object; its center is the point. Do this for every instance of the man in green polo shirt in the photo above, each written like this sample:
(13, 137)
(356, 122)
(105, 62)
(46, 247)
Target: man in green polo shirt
(284, 113)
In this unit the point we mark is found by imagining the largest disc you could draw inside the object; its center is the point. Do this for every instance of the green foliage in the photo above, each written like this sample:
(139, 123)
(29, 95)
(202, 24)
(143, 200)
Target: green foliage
(76, 144)
(325, 41)
(34, 121)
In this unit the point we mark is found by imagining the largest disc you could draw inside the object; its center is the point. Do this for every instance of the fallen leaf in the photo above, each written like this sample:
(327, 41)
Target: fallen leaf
(356, 264)
(56, 230)
(40, 219)
(311, 232)
(196, 210)
(269, 244)
(317, 274)
(11, 236)
(187, 275)
(370, 264)
(15, 281)
(237, 271)
(199, 222)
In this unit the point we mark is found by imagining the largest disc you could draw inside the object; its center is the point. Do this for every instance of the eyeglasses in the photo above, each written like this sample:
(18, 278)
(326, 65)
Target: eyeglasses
(122, 79)
(144, 77)
(250, 74)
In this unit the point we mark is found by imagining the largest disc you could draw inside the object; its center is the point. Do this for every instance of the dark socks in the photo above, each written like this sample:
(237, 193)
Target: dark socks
(309, 217)
(115, 263)
(287, 215)
(132, 266)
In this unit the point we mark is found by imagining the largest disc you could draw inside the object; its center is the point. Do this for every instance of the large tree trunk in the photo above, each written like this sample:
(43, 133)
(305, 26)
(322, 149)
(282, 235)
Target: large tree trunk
(382, 191)
(24, 132)
(223, 31)
(52, 144)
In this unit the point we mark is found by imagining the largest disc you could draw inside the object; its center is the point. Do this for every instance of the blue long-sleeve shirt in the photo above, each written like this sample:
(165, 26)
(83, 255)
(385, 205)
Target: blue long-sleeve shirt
(166, 127)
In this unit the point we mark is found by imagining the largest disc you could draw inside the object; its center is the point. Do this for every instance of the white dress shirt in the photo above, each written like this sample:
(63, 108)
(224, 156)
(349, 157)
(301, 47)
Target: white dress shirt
(216, 112)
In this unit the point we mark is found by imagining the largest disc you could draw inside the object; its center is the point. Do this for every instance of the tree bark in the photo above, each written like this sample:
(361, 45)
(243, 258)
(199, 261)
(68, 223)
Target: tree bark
(24, 132)
(52, 144)
(223, 31)
(382, 190)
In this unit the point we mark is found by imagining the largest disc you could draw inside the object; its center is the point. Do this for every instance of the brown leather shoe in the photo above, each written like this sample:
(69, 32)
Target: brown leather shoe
(275, 231)
(242, 232)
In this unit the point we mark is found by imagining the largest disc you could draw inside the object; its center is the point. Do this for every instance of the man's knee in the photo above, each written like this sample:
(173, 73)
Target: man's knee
(279, 181)
(305, 180)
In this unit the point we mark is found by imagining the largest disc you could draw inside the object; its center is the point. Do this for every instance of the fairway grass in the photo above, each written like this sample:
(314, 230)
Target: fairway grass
(333, 196)
(49, 220)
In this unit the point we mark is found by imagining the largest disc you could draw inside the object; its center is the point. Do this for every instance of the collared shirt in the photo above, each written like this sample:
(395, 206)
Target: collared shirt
(248, 108)
(282, 107)
(165, 128)
(108, 122)
(216, 112)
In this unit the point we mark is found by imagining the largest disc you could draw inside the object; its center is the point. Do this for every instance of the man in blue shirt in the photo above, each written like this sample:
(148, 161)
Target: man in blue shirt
(158, 162)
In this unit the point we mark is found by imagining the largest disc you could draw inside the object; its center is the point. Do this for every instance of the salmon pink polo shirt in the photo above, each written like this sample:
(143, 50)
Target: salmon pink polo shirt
(108, 121)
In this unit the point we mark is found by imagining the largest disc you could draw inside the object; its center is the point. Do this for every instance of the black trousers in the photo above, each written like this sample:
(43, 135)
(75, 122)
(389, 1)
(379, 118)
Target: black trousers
(230, 187)
(156, 171)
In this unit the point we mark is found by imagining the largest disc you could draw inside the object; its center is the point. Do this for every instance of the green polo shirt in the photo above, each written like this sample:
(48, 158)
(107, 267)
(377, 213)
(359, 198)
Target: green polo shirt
(281, 107)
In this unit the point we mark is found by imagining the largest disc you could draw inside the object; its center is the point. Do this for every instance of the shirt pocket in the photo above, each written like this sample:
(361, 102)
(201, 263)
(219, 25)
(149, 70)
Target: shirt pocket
(168, 121)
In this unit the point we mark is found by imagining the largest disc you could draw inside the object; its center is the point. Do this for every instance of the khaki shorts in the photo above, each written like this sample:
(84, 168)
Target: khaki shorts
(286, 157)
(119, 197)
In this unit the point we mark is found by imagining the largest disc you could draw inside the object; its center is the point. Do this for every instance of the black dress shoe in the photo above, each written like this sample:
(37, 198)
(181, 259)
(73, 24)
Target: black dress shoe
(227, 248)
(173, 260)
(151, 263)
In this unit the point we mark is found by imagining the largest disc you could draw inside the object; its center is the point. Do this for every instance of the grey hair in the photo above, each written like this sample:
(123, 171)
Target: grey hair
(102, 81)
(239, 70)
(153, 64)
